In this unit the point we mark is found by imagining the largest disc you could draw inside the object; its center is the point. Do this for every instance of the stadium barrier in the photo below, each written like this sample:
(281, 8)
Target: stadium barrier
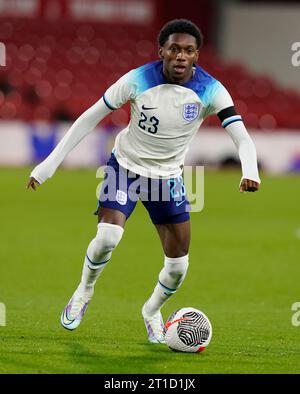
(23, 144)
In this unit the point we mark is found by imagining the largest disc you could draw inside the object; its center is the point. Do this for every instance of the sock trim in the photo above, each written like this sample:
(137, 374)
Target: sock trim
(167, 288)
(90, 261)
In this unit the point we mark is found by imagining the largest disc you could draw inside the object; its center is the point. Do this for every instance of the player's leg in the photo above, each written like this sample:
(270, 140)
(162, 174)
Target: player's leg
(110, 229)
(175, 239)
(112, 215)
(170, 215)
(109, 233)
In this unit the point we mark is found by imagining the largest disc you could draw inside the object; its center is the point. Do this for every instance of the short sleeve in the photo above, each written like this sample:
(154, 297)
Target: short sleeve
(219, 99)
(120, 92)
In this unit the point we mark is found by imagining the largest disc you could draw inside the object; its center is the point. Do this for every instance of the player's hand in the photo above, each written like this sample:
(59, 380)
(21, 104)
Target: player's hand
(32, 183)
(248, 186)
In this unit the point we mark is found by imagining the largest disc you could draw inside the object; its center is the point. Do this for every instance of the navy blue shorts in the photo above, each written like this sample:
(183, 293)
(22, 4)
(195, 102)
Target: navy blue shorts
(164, 199)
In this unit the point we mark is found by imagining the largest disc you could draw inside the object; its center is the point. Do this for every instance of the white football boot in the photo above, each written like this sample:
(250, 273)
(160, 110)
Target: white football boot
(154, 326)
(73, 313)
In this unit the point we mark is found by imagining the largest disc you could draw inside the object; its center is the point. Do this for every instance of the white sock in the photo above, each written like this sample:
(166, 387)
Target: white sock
(169, 280)
(98, 254)
(89, 276)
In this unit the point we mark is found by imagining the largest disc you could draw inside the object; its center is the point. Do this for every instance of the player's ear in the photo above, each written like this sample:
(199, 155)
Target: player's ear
(160, 52)
(196, 56)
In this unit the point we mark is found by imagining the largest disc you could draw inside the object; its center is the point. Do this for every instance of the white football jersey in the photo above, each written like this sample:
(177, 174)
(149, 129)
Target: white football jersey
(164, 117)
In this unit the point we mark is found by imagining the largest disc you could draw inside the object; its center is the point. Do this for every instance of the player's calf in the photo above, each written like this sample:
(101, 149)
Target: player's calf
(98, 254)
(169, 280)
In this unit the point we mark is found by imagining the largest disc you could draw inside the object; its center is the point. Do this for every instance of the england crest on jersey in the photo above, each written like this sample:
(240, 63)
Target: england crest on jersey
(190, 111)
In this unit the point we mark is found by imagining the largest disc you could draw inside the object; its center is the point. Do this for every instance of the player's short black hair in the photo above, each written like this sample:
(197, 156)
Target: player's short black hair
(180, 26)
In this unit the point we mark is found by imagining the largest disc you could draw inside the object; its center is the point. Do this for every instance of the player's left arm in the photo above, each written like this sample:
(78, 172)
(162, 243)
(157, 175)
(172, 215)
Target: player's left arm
(233, 124)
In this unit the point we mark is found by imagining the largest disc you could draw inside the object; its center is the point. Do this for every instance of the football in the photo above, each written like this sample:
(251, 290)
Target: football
(188, 330)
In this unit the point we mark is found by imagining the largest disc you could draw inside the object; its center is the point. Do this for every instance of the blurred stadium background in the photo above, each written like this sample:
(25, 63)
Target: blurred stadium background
(60, 57)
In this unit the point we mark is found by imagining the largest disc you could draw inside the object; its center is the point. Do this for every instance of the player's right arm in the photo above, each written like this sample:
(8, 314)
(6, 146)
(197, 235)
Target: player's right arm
(80, 129)
(119, 93)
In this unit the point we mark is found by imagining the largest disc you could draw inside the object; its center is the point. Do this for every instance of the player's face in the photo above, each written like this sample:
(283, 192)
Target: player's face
(178, 54)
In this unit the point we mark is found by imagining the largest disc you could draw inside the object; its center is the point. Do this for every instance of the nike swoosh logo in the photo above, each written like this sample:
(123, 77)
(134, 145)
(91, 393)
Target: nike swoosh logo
(179, 203)
(143, 107)
(169, 323)
(66, 320)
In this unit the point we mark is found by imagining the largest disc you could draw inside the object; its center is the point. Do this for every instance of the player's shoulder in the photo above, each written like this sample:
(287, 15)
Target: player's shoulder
(149, 72)
(152, 68)
(204, 85)
(202, 79)
(147, 76)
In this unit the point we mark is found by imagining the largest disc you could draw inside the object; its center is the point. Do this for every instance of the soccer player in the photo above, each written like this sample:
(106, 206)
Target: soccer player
(169, 98)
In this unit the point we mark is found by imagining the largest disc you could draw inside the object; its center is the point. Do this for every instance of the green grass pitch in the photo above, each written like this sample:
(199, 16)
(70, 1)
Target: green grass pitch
(244, 274)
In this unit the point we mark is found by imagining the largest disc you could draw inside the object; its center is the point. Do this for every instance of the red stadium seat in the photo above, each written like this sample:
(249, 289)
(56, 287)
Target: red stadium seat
(64, 67)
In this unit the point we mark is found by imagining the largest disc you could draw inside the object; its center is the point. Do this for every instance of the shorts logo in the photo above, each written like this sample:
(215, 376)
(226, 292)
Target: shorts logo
(121, 197)
(190, 111)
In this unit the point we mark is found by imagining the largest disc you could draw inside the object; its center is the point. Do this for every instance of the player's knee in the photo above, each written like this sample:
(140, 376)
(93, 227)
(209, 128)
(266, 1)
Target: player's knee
(175, 249)
(176, 268)
(107, 238)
